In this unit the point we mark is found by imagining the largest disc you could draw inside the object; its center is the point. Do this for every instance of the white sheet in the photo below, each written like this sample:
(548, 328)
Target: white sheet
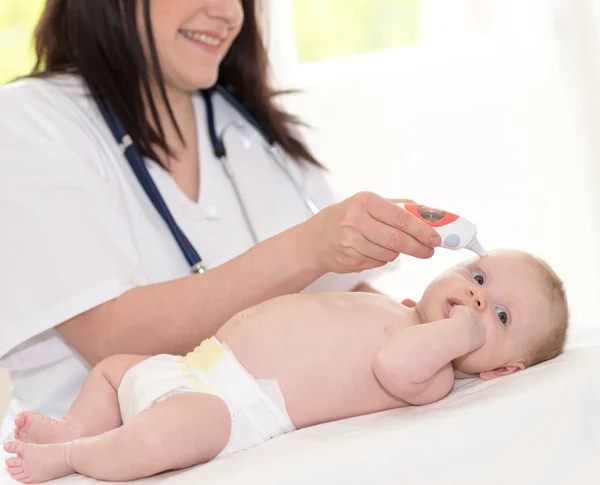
(541, 426)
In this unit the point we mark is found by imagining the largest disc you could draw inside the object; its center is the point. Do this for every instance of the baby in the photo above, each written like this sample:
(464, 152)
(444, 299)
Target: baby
(297, 361)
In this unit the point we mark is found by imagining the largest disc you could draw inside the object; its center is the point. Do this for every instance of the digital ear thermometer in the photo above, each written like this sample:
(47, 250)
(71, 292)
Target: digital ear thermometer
(456, 232)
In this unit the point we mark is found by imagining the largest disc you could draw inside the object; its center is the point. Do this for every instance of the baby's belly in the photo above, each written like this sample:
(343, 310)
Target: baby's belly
(333, 396)
(322, 377)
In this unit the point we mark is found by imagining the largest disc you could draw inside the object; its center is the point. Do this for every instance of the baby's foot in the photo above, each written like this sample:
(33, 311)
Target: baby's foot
(37, 463)
(39, 429)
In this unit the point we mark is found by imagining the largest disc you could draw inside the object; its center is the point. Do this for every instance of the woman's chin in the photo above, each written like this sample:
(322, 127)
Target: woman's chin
(195, 82)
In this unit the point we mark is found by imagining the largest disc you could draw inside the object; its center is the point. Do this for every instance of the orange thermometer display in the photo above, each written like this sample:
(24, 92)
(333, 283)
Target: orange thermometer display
(456, 232)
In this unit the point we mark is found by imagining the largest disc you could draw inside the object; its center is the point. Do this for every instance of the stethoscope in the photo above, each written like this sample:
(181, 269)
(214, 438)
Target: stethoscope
(141, 172)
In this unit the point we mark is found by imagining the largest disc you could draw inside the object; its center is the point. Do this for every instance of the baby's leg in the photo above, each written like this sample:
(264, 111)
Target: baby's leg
(95, 410)
(185, 430)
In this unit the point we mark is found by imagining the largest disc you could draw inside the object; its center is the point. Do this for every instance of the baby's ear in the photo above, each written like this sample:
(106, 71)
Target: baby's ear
(502, 371)
(409, 303)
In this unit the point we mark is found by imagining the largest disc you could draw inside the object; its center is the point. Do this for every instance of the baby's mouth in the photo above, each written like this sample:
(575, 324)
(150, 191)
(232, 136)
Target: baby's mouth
(451, 303)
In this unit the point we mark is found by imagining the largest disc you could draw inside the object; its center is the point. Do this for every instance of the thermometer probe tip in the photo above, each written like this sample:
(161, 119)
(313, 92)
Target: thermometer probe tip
(477, 248)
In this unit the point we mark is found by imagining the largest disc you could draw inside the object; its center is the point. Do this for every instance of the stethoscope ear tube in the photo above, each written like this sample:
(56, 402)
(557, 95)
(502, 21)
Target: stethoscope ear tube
(140, 170)
(241, 109)
(215, 141)
(138, 167)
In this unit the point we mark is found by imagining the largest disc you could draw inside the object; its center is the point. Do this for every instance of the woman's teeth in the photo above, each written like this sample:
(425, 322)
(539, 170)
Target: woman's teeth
(199, 37)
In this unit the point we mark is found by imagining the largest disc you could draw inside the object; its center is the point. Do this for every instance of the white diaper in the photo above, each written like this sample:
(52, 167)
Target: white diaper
(257, 408)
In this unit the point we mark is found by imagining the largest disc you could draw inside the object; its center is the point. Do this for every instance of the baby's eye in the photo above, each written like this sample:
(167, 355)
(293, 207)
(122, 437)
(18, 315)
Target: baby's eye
(501, 314)
(478, 277)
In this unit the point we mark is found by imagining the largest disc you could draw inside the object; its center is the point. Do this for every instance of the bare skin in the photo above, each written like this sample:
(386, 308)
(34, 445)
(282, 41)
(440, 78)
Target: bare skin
(363, 232)
(335, 355)
(294, 337)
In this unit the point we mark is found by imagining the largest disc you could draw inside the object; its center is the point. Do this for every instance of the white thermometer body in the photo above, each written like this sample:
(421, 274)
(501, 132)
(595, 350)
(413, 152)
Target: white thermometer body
(456, 232)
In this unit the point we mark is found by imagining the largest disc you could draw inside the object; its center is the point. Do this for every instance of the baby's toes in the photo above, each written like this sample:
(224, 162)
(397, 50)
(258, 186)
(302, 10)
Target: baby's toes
(16, 465)
(22, 477)
(15, 447)
(14, 462)
(14, 470)
(18, 473)
(21, 419)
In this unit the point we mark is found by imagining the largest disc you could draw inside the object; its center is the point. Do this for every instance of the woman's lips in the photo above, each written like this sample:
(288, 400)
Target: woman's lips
(207, 40)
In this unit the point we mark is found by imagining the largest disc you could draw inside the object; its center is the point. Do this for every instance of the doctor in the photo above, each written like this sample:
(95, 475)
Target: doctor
(91, 263)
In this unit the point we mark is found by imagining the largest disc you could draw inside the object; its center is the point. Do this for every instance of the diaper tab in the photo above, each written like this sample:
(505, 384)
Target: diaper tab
(255, 416)
(205, 356)
(197, 363)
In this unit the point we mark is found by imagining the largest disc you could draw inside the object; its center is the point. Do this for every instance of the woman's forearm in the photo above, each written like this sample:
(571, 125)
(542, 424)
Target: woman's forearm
(175, 316)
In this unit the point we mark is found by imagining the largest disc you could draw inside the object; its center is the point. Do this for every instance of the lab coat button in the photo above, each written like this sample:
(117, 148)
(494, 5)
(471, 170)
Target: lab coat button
(211, 212)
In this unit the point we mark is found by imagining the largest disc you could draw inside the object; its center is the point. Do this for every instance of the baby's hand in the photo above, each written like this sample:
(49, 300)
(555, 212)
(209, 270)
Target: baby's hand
(475, 330)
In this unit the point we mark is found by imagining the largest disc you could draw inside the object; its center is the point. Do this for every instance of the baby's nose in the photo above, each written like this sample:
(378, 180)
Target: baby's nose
(477, 297)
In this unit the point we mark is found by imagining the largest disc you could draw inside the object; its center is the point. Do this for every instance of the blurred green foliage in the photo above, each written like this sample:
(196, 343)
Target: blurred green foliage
(17, 22)
(335, 28)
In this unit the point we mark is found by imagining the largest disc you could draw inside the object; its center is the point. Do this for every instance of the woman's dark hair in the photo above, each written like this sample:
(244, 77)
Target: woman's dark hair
(100, 41)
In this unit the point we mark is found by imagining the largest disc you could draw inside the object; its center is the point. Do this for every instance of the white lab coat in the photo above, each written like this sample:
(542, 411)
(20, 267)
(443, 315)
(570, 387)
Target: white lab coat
(77, 230)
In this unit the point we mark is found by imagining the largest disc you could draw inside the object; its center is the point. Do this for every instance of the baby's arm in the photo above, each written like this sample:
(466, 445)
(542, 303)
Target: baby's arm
(414, 364)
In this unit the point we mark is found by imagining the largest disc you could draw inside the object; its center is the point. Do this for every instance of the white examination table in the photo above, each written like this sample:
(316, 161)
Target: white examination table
(541, 426)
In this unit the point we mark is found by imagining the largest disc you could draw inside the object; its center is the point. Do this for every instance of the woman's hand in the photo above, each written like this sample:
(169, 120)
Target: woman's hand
(363, 232)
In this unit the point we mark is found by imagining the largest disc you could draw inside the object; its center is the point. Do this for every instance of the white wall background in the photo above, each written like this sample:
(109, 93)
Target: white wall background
(494, 116)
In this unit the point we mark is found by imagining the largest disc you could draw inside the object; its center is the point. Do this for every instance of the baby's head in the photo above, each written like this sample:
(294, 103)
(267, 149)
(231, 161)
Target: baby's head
(519, 300)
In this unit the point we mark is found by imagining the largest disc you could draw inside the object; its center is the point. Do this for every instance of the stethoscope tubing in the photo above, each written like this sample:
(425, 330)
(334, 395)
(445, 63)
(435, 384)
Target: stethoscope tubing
(140, 170)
